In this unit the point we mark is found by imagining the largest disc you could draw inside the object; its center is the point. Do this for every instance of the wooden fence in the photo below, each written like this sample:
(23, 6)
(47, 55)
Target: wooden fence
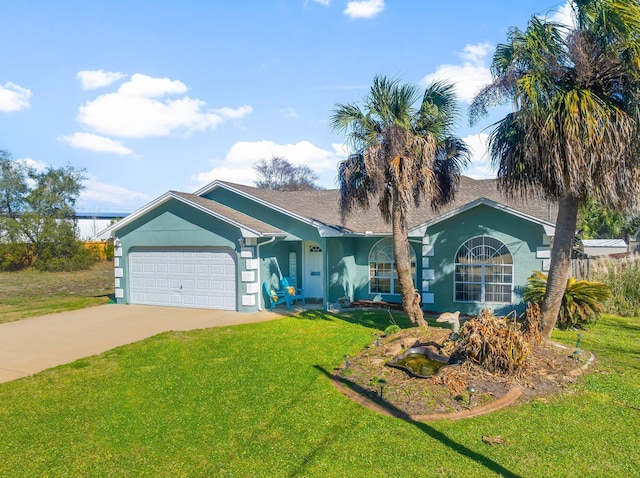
(587, 268)
(582, 269)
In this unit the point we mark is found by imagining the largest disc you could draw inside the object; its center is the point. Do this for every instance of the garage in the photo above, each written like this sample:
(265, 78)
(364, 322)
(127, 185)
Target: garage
(183, 277)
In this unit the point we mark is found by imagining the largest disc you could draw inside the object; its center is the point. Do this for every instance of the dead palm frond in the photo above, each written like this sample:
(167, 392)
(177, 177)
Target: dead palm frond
(494, 343)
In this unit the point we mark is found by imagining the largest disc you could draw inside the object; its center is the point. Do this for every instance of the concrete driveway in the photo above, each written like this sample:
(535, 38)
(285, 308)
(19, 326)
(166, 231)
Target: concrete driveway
(31, 345)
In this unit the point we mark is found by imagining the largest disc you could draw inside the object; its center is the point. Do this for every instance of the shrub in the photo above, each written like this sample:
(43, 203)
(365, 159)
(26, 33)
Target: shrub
(392, 329)
(72, 256)
(14, 256)
(109, 249)
(582, 302)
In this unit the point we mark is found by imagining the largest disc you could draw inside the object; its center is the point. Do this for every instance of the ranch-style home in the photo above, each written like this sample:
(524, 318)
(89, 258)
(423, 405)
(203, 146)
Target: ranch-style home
(216, 248)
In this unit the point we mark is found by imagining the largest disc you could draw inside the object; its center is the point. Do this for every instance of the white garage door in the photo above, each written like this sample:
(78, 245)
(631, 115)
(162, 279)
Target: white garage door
(204, 278)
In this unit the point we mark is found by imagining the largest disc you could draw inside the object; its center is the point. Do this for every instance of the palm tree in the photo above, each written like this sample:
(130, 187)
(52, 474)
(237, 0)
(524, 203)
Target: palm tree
(573, 133)
(402, 154)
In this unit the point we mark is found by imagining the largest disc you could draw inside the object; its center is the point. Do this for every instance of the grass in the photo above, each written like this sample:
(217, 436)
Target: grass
(255, 401)
(622, 277)
(30, 293)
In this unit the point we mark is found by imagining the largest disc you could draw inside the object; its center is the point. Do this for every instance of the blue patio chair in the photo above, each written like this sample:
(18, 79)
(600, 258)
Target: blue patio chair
(276, 297)
(295, 293)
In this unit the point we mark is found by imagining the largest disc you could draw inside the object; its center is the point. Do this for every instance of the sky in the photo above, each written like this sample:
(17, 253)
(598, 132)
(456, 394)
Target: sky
(150, 96)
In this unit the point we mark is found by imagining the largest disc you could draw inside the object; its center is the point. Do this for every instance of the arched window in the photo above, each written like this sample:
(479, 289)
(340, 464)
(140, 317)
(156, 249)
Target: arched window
(483, 271)
(383, 278)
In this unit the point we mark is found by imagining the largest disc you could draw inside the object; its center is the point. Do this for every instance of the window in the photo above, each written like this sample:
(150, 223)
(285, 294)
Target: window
(483, 271)
(383, 278)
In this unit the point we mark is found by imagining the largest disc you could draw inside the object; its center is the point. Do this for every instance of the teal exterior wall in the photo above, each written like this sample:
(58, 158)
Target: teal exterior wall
(274, 264)
(175, 224)
(348, 264)
(274, 257)
(522, 238)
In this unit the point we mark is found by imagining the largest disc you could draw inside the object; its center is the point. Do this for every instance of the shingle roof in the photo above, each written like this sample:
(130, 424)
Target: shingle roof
(323, 205)
(231, 214)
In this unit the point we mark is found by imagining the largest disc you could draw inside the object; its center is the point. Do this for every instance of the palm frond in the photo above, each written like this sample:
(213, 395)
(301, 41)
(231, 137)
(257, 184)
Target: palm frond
(356, 186)
(582, 302)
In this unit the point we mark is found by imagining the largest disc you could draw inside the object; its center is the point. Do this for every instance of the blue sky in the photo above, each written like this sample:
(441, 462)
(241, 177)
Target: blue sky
(149, 96)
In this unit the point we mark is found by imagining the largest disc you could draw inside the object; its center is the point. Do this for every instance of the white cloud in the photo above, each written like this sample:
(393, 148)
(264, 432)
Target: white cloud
(480, 166)
(148, 87)
(13, 97)
(39, 166)
(237, 166)
(97, 192)
(239, 174)
(93, 79)
(364, 8)
(234, 113)
(94, 142)
(323, 2)
(138, 110)
(564, 15)
(469, 77)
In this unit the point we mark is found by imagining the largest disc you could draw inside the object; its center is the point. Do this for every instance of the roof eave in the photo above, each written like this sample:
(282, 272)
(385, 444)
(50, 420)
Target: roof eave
(549, 228)
(323, 228)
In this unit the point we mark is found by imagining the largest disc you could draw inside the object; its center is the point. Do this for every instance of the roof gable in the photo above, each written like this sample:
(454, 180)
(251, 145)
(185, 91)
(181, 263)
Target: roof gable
(419, 231)
(249, 226)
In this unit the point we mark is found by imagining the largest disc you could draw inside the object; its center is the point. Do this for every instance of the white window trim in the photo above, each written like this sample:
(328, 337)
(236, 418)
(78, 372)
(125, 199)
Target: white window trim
(482, 282)
(394, 275)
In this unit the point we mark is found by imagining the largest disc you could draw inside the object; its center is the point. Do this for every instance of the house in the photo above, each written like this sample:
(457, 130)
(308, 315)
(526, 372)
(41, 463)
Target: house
(603, 247)
(216, 247)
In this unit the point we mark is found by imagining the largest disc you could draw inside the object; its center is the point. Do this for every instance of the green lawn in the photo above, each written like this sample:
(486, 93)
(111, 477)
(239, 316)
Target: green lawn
(254, 400)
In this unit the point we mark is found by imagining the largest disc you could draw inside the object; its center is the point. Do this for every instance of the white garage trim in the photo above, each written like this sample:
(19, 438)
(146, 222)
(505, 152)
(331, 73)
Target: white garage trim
(183, 277)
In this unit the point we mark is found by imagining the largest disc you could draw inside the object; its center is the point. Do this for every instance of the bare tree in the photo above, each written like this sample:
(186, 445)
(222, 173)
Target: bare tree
(280, 175)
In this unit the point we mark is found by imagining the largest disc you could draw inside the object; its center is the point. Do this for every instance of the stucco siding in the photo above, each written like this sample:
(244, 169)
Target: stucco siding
(349, 269)
(175, 225)
(521, 237)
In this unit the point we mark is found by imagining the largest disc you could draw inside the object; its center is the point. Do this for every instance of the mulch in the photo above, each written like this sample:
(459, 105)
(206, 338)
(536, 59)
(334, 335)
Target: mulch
(550, 369)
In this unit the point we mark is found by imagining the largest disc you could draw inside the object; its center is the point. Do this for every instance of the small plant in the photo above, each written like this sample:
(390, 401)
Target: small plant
(109, 249)
(392, 329)
(582, 302)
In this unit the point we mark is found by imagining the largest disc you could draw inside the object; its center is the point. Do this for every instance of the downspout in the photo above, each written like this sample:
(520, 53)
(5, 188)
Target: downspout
(258, 245)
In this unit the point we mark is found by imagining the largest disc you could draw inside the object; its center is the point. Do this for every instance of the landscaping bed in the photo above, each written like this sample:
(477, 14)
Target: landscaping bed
(548, 370)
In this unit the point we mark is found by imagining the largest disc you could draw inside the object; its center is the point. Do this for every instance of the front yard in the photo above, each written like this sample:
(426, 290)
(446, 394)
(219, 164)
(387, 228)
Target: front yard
(256, 400)
(30, 293)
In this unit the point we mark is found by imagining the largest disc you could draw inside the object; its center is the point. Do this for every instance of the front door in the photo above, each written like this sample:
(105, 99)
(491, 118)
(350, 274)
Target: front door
(313, 280)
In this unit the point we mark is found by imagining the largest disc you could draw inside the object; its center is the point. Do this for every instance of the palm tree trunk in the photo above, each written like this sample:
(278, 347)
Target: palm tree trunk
(560, 267)
(410, 301)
